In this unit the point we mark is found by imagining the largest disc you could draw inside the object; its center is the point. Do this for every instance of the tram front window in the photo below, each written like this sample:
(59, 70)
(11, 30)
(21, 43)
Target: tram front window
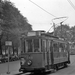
(29, 45)
(32, 45)
(36, 45)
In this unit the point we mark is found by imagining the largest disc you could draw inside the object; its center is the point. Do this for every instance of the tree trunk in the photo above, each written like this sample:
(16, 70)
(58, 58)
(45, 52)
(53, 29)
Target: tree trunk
(0, 48)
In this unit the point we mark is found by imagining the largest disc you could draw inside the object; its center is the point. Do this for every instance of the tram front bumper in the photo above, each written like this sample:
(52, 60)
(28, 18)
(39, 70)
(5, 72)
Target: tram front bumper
(20, 70)
(26, 69)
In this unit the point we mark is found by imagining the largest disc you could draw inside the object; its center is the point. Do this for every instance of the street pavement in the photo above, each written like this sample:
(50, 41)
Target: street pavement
(15, 65)
(70, 70)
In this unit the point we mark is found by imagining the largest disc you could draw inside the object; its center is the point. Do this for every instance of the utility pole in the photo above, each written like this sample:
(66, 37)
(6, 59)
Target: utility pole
(8, 44)
(61, 29)
(54, 28)
(0, 26)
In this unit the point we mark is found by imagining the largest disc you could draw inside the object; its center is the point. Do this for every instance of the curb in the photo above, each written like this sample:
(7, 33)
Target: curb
(11, 73)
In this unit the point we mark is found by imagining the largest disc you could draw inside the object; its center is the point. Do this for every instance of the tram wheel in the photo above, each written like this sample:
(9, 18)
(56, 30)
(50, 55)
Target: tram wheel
(23, 71)
(55, 68)
(65, 65)
(38, 71)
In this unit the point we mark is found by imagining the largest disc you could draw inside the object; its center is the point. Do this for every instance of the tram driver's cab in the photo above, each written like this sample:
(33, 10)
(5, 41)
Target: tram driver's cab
(31, 43)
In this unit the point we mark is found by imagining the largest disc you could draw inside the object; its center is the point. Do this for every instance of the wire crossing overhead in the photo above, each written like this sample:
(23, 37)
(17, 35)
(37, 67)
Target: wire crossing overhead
(42, 9)
(71, 4)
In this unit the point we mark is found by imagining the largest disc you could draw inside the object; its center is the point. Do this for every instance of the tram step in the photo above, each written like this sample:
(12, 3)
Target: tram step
(50, 70)
(60, 67)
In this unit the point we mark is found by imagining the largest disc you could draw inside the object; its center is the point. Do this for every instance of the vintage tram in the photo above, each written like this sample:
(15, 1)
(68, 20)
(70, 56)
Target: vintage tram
(41, 52)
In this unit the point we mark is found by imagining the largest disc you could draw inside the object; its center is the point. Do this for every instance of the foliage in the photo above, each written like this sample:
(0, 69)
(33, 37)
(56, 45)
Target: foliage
(13, 23)
(15, 19)
(73, 33)
(63, 31)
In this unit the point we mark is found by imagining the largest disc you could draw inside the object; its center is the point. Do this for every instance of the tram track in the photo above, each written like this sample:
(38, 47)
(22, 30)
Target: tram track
(29, 73)
(18, 73)
(23, 74)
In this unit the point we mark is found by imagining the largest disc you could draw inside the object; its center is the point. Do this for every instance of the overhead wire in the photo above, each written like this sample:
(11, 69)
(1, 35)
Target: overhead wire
(42, 9)
(71, 4)
(50, 28)
(45, 11)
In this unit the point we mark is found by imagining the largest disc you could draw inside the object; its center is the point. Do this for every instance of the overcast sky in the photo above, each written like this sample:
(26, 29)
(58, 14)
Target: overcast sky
(40, 19)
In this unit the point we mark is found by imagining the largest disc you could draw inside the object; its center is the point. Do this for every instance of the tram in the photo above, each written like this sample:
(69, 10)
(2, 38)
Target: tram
(41, 52)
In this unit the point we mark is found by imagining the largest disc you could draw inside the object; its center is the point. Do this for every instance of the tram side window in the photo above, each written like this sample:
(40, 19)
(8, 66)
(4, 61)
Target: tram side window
(29, 45)
(61, 47)
(55, 47)
(22, 46)
(65, 47)
(48, 45)
(36, 45)
(43, 45)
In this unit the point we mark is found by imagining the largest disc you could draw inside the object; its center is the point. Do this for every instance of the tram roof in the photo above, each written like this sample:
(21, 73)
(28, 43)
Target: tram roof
(54, 38)
(45, 36)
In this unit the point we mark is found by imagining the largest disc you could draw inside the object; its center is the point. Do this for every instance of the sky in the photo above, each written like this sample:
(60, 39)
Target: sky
(42, 20)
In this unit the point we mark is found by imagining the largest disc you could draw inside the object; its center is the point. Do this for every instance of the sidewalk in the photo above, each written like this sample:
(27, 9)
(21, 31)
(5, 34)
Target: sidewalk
(16, 73)
(11, 73)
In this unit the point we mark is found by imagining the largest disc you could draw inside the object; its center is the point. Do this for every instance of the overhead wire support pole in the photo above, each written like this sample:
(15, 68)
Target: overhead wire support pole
(61, 28)
(54, 28)
(8, 72)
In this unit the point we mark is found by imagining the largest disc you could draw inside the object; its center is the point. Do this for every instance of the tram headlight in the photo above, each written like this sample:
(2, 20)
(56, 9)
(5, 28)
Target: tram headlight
(22, 61)
(29, 63)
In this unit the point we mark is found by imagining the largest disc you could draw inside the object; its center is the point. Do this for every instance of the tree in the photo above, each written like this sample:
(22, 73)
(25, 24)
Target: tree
(72, 29)
(13, 22)
(65, 32)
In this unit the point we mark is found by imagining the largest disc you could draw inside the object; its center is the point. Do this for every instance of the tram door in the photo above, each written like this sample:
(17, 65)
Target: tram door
(48, 54)
(51, 53)
(44, 51)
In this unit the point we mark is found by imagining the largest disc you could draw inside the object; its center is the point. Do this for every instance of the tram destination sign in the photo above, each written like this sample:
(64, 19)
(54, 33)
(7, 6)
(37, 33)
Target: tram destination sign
(8, 43)
(34, 33)
(31, 34)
